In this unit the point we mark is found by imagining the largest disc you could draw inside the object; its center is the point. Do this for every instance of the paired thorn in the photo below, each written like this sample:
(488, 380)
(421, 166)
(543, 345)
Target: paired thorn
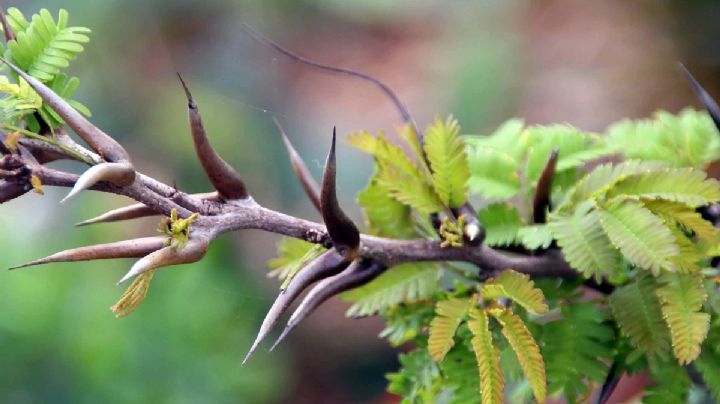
(343, 232)
(134, 248)
(222, 176)
(358, 273)
(312, 190)
(122, 174)
(328, 264)
(705, 97)
(541, 201)
(474, 232)
(191, 252)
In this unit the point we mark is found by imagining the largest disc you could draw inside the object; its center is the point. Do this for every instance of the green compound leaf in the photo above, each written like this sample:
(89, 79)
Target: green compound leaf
(385, 216)
(637, 311)
(399, 284)
(583, 241)
(449, 314)
(492, 383)
(493, 174)
(502, 222)
(526, 349)
(682, 297)
(642, 237)
(399, 176)
(517, 287)
(42, 46)
(446, 152)
(576, 348)
(684, 185)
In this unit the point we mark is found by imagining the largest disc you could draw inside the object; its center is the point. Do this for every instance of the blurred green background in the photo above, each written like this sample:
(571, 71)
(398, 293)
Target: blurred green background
(587, 63)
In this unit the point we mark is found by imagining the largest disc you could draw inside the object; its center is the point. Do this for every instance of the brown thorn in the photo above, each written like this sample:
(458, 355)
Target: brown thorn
(311, 187)
(328, 264)
(134, 211)
(100, 141)
(541, 201)
(222, 176)
(342, 231)
(7, 30)
(707, 100)
(120, 249)
(358, 273)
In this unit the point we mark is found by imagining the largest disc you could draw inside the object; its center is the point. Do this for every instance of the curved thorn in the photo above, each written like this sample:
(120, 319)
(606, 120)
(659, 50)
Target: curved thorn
(342, 231)
(704, 96)
(100, 141)
(312, 190)
(328, 264)
(222, 176)
(134, 211)
(474, 231)
(358, 273)
(120, 249)
(7, 30)
(541, 202)
(121, 174)
(401, 108)
(193, 251)
(610, 383)
(10, 190)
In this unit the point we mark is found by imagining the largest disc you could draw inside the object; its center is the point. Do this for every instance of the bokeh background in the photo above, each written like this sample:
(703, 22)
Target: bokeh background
(585, 62)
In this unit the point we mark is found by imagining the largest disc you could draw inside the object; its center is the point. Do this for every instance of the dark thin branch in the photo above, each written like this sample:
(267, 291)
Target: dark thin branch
(705, 97)
(401, 108)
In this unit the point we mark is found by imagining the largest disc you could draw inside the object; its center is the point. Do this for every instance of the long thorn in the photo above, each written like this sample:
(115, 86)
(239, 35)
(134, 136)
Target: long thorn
(541, 201)
(100, 141)
(311, 187)
(193, 251)
(134, 211)
(342, 230)
(401, 108)
(222, 176)
(704, 96)
(134, 248)
(328, 264)
(358, 273)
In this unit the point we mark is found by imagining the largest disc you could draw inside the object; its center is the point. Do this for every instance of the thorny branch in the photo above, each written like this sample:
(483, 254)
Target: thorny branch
(352, 259)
